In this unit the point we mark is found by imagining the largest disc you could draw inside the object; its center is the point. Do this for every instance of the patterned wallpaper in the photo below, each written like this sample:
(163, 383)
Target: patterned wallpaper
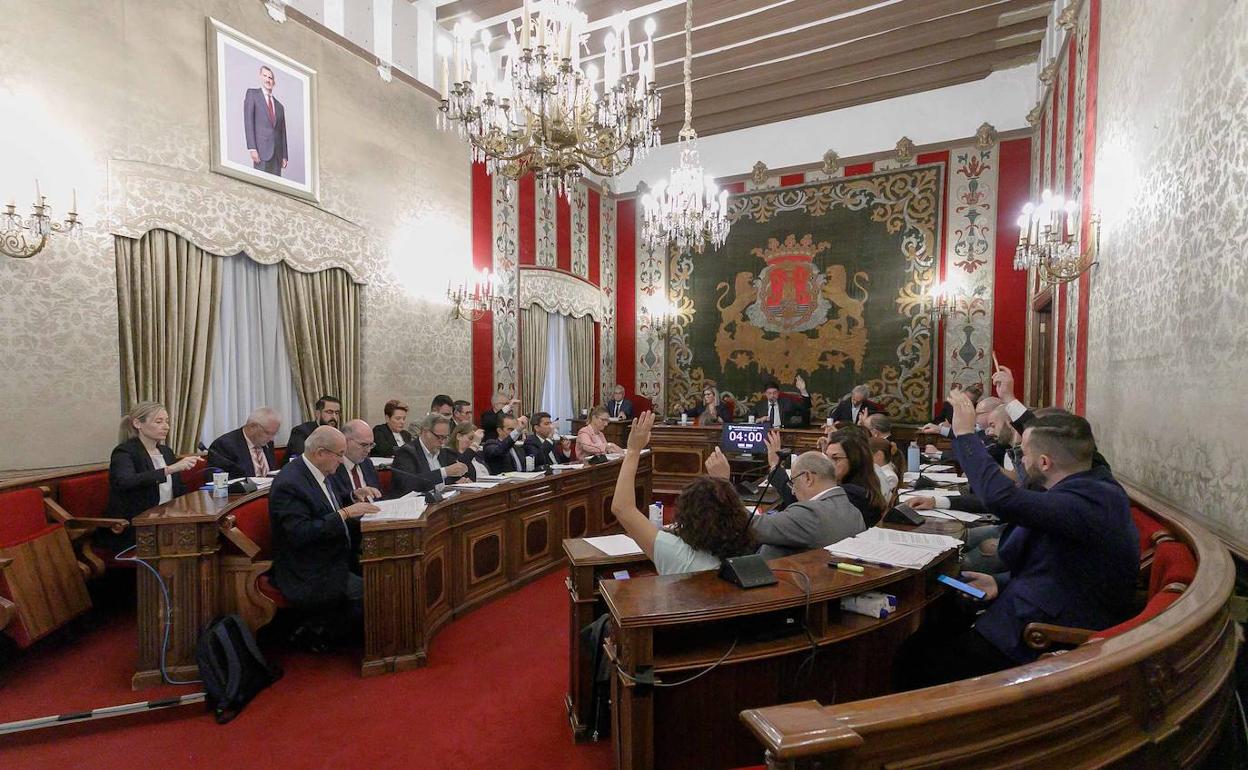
(131, 132)
(1167, 350)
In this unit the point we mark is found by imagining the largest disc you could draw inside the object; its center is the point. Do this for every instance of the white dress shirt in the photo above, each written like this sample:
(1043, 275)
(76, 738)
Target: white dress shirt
(166, 486)
(434, 462)
(398, 438)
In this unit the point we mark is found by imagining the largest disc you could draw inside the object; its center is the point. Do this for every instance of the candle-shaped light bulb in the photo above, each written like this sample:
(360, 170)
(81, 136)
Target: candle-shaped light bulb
(38, 195)
(525, 24)
(73, 200)
(650, 26)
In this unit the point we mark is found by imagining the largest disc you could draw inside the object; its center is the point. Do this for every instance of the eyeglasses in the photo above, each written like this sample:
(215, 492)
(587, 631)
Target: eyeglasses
(365, 444)
(339, 455)
(798, 475)
(440, 437)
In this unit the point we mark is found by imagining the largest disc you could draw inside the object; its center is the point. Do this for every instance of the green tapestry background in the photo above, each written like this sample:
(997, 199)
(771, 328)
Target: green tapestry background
(826, 280)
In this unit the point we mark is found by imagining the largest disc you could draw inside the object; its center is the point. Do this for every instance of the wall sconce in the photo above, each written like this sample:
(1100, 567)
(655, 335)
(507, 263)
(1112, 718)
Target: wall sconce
(943, 302)
(472, 298)
(23, 238)
(1048, 240)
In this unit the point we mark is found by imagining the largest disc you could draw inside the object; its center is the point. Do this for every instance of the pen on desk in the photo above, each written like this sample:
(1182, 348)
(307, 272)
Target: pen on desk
(874, 564)
(853, 569)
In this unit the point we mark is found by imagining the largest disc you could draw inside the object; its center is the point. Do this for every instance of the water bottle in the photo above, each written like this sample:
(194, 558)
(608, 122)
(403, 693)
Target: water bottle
(912, 457)
(656, 515)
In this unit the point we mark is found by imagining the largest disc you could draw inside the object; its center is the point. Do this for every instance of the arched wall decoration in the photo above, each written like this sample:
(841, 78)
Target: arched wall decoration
(219, 215)
(560, 293)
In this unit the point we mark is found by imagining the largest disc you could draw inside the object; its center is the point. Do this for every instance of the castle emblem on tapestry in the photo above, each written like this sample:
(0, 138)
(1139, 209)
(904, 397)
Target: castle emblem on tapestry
(825, 281)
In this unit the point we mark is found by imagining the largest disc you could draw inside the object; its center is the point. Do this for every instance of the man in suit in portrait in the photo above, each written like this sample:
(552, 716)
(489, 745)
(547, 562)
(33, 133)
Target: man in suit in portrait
(544, 445)
(264, 125)
(783, 412)
(821, 516)
(357, 476)
(248, 451)
(327, 411)
(619, 407)
(427, 463)
(314, 524)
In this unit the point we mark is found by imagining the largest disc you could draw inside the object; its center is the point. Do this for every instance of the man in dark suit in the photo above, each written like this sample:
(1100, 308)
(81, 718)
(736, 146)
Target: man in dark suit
(426, 463)
(328, 411)
(850, 409)
(314, 523)
(461, 411)
(248, 451)
(822, 515)
(505, 451)
(544, 445)
(357, 476)
(500, 404)
(443, 405)
(619, 407)
(264, 126)
(783, 412)
(1072, 549)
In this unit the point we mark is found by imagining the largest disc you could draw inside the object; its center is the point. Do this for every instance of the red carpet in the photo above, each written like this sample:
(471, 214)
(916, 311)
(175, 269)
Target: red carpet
(492, 696)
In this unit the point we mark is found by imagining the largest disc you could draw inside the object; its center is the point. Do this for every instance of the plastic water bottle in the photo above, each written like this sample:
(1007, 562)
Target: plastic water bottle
(912, 457)
(656, 515)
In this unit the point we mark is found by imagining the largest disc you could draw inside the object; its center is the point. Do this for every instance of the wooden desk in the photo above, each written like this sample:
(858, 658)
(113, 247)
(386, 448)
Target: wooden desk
(420, 574)
(586, 568)
(616, 431)
(676, 626)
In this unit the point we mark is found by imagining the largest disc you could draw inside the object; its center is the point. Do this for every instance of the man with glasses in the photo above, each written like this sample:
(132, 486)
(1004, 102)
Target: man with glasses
(248, 451)
(356, 475)
(461, 411)
(326, 411)
(427, 463)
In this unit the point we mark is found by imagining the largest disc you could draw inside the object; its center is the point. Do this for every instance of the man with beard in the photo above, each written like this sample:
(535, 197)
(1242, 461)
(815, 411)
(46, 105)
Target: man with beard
(328, 412)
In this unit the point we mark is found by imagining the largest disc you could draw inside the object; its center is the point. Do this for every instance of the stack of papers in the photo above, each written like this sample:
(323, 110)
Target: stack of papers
(382, 462)
(952, 515)
(477, 484)
(410, 506)
(524, 475)
(939, 478)
(893, 548)
(930, 468)
(568, 466)
(261, 482)
(615, 545)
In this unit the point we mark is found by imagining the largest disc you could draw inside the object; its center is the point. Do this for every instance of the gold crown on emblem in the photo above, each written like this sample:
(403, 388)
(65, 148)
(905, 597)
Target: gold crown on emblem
(790, 247)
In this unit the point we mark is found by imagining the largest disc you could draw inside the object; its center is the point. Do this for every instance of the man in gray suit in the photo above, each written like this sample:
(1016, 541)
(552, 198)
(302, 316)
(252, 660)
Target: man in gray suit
(264, 123)
(823, 514)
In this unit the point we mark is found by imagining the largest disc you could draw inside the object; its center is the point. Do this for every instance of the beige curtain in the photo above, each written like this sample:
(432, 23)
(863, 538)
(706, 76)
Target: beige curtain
(321, 318)
(581, 356)
(167, 290)
(534, 325)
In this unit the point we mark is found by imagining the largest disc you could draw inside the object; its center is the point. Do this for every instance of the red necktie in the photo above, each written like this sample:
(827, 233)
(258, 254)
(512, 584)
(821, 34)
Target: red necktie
(355, 474)
(272, 115)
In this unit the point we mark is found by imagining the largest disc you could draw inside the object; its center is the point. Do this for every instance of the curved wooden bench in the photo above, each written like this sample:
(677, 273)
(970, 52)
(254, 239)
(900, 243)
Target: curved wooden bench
(1157, 694)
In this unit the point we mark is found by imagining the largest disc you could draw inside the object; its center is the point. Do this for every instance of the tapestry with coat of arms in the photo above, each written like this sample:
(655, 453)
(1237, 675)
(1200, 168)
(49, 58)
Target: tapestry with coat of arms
(828, 281)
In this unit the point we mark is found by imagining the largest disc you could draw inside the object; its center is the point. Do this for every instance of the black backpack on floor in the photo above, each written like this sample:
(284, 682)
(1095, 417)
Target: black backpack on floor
(231, 666)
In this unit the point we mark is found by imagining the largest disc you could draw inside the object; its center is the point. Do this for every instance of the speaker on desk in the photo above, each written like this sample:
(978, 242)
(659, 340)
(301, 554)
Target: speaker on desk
(596, 459)
(243, 487)
(747, 571)
(903, 514)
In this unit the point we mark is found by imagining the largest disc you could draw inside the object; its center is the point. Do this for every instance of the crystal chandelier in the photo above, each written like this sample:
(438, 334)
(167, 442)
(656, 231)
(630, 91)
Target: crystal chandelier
(544, 114)
(24, 237)
(474, 296)
(1047, 240)
(688, 209)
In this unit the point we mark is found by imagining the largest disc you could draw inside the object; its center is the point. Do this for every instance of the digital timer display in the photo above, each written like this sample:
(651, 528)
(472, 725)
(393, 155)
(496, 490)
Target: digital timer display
(744, 438)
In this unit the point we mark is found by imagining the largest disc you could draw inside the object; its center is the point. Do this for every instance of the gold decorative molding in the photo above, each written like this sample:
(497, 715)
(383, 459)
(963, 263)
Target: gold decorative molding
(1049, 72)
(1033, 117)
(985, 136)
(1069, 17)
(905, 149)
(831, 162)
(758, 174)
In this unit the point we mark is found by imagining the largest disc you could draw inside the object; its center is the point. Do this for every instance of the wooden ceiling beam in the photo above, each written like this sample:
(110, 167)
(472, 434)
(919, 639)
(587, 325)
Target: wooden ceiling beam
(861, 92)
(861, 60)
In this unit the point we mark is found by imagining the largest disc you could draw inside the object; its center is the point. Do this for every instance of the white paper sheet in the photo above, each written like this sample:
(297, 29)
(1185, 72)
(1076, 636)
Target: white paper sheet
(615, 545)
(410, 506)
(882, 553)
(962, 516)
(524, 475)
(919, 539)
(477, 484)
(382, 462)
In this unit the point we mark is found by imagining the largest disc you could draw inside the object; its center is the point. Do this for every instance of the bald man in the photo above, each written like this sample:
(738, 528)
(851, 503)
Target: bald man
(248, 451)
(314, 525)
(356, 475)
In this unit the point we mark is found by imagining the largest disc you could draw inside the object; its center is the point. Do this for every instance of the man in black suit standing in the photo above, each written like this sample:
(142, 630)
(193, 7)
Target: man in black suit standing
(783, 412)
(357, 476)
(426, 463)
(505, 451)
(328, 412)
(264, 125)
(544, 445)
(314, 523)
(248, 451)
(851, 409)
(619, 407)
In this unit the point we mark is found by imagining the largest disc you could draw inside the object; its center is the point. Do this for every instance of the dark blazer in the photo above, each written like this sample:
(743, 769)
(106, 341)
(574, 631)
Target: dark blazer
(268, 138)
(624, 409)
(803, 526)
(298, 435)
(367, 470)
(384, 444)
(793, 414)
(856, 495)
(411, 472)
(229, 452)
(311, 542)
(545, 452)
(844, 411)
(498, 455)
(722, 412)
(1073, 551)
(133, 487)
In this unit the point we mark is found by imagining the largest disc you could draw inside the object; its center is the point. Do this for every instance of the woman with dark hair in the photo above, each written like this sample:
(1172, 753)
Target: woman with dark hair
(391, 434)
(855, 472)
(711, 522)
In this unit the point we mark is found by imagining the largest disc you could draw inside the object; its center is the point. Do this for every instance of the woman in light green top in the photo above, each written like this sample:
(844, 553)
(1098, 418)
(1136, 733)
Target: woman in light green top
(711, 522)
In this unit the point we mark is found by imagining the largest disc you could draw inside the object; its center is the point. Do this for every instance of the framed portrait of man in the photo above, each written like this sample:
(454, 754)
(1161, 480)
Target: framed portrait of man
(263, 113)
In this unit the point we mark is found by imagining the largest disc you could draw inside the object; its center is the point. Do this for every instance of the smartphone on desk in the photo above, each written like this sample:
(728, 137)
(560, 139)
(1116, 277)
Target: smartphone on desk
(965, 588)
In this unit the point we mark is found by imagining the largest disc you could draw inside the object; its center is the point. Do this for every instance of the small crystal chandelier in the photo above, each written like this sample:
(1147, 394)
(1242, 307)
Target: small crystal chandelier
(689, 210)
(545, 115)
(24, 237)
(474, 296)
(1047, 241)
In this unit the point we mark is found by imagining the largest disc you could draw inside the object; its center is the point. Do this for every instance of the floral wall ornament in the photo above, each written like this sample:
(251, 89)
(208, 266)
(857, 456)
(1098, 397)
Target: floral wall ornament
(758, 175)
(985, 136)
(831, 162)
(1069, 16)
(1049, 72)
(1033, 117)
(905, 149)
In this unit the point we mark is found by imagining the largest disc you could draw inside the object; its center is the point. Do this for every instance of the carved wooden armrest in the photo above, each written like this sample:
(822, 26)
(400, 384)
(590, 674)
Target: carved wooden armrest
(238, 537)
(1042, 636)
(7, 608)
(116, 526)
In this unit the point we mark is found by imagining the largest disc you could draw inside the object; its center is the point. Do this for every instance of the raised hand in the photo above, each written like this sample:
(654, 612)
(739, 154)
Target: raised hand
(800, 382)
(963, 413)
(1003, 381)
(522, 422)
(717, 465)
(639, 436)
(773, 447)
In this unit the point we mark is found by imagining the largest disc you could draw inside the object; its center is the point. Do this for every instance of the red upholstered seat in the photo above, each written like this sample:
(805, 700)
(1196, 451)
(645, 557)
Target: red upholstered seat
(252, 519)
(641, 404)
(1173, 563)
(84, 496)
(266, 587)
(280, 455)
(1155, 605)
(1147, 526)
(22, 517)
(385, 478)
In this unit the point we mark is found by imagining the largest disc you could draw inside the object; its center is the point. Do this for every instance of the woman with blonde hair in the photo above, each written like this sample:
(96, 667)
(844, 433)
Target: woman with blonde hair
(143, 471)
